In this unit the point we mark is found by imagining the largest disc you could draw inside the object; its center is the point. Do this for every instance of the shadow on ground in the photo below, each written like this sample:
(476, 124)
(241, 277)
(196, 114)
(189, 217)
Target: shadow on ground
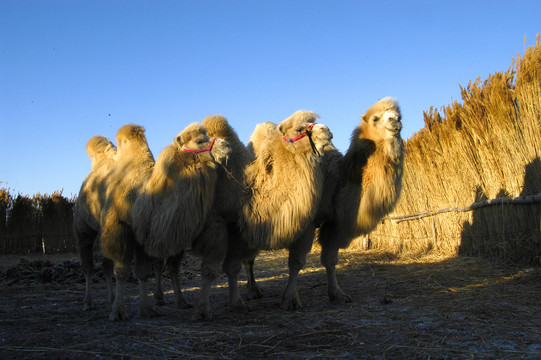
(430, 308)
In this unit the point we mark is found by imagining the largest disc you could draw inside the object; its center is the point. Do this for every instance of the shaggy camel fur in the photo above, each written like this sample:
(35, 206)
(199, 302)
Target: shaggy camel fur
(330, 160)
(174, 212)
(261, 132)
(368, 187)
(229, 193)
(286, 181)
(132, 168)
(86, 219)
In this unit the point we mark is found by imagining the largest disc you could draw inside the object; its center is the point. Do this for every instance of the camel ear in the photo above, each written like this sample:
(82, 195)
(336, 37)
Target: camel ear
(178, 140)
(363, 117)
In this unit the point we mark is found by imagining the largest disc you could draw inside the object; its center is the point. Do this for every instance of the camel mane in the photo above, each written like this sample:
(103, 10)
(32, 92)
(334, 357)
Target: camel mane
(286, 181)
(374, 169)
(176, 201)
(230, 185)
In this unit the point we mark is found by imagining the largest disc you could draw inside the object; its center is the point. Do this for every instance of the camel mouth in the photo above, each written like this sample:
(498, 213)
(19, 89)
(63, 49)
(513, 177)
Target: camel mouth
(221, 150)
(394, 129)
(321, 132)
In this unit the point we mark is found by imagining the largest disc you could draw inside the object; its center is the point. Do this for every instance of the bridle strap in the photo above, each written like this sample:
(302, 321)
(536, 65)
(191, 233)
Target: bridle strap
(202, 150)
(304, 134)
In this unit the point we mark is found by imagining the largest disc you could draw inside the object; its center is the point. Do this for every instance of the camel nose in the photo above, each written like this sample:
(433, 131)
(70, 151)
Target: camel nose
(224, 146)
(322, 132)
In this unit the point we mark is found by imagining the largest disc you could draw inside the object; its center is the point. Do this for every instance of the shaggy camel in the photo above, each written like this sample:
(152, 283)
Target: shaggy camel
(286, 181)
(229, 192)
(368, 185)
(86, 219)
(132, 168)
(174, 212)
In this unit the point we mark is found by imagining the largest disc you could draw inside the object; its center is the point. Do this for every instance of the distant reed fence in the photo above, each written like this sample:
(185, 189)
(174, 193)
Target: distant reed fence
(38, 225)
(488, 147)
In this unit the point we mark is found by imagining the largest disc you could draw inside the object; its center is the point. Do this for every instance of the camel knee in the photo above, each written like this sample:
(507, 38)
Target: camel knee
(329, 257)
(210, 271)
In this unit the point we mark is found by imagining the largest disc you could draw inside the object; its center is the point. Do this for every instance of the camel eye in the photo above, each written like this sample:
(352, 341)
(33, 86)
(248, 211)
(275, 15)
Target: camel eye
(200, 142)
(299, 130)
(375, 119)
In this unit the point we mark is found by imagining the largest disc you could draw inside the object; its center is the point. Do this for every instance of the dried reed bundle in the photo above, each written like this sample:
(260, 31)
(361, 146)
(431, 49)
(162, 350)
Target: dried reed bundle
(485, 148)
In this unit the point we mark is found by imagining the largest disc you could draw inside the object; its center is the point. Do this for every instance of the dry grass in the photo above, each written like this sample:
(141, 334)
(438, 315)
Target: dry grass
(430, 307)
(485, 148)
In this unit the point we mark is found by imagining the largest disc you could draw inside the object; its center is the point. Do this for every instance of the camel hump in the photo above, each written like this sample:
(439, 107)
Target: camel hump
(100, 147)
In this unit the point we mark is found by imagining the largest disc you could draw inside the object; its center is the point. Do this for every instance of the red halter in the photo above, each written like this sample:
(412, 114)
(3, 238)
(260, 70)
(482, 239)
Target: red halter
(304, 134)
(202, 150)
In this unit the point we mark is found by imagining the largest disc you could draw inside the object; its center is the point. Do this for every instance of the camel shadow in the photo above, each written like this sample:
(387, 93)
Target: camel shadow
(508, 233)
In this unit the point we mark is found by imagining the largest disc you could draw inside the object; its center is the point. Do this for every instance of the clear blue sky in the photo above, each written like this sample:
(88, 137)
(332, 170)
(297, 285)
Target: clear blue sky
(73, 69)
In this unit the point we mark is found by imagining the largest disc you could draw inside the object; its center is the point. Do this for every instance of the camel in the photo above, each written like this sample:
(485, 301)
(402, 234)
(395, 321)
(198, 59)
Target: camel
(174, 212)
(367, 182)
(132, 168)
(86, 219)
(229, 193)
(285, 182)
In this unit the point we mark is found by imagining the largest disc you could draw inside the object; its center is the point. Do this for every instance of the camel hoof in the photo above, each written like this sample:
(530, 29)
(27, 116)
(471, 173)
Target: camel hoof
(255, 292)
(158, 300)
(203, 312)
(88, 306)
(238, 306)
(118, 315)
(340, 298)
(290, 304)
(147, 311)
(183, 305)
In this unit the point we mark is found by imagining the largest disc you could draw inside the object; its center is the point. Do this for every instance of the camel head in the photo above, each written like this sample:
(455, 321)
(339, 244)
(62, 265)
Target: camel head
(194, 139)
(303, 133)
(129, 138)
(382, 120)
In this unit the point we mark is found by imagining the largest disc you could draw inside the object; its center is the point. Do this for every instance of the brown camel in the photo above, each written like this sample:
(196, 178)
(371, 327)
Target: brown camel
(285, 182)
(86, 219)
(174, 212)
(132, 168)
(367, 188)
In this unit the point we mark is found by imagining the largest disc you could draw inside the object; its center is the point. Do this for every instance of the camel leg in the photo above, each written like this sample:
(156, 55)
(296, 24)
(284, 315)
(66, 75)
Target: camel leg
(85, 243)
(87, 263)
(122, 273)
(209, 272)
(158, 294)
(142, 269)
(329, 259)
(254, 291)
(108, 266)
(173, 263)
(231, 267)
(296, 261)
(212, 245)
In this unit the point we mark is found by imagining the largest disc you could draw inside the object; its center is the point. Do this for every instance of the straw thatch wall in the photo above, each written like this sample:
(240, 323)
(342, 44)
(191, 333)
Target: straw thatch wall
(38, 225)
(488, 147)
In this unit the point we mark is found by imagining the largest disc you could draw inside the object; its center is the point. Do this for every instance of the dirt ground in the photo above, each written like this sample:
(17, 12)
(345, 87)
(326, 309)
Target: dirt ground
(454, 308)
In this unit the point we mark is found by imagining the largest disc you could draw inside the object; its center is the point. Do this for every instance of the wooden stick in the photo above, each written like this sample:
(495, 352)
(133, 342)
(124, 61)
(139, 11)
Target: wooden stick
(422, 214)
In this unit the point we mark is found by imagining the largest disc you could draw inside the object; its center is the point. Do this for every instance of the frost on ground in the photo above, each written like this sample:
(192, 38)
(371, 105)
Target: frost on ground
(429, 308)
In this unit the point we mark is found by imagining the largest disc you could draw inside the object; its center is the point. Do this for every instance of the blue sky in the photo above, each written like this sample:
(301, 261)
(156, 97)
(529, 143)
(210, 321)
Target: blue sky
(73, 69)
